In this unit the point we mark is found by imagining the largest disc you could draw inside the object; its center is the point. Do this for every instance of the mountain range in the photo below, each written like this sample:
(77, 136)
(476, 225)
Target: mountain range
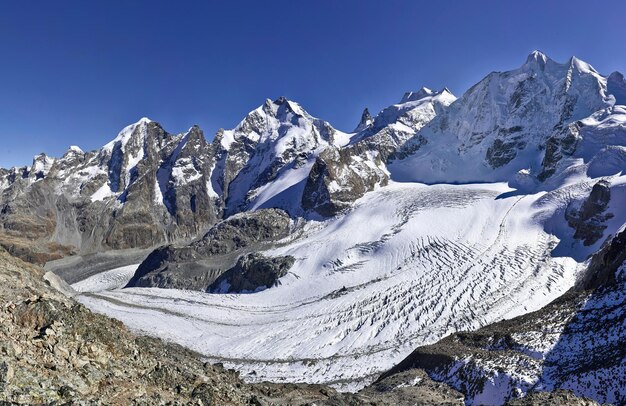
(478, 239)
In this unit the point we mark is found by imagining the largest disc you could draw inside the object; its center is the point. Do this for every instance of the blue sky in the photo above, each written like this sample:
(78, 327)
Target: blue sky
(76, 72)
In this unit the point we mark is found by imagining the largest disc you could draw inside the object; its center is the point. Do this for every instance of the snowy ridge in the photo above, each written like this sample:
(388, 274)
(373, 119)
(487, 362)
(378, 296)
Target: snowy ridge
(415, 110)
(506, 123)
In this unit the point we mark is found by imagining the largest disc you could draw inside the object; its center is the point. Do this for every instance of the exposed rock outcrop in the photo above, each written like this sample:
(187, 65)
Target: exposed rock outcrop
(342, 175)
(588, 218)
(252, 272)
(198, 265)
(143, 189)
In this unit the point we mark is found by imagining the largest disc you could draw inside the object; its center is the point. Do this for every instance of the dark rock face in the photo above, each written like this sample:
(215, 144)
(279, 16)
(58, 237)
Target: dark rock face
(252, 272)
(366, 121)
(145, 188)
(501, 153)
(244, 230)
(561, 144)
(179, 173)
(341, 176)
(344, 174)
(616, 85)
(604, 264)
(588, 218)
(199, 264)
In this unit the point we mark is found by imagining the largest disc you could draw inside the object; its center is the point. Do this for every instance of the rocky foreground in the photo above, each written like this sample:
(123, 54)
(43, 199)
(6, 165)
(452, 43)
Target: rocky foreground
(53, 350)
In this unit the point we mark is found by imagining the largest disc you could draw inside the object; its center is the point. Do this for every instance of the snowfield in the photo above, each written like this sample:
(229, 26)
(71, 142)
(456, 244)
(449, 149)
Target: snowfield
(114, 279)
(408, 265)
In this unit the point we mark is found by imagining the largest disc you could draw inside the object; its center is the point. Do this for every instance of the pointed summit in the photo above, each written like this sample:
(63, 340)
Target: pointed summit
(537, 59)
(420, 94)
(281, 100)
(366, 121)
(75, 149)
(280, 107)
(127, 132)
(537, 56)
(581, 65)
(41, 165)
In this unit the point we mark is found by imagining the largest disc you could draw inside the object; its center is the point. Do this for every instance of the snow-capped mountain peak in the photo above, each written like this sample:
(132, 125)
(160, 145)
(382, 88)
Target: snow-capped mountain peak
(41, 166)
(581, 66)
(127, 132)
(74, 149)
(523, 119)
(420, 94)
(537, 58)
(366, 121)
(414, 111)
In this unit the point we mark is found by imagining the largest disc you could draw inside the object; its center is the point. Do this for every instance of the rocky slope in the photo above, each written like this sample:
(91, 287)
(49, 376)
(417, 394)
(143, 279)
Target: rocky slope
(142, 189)
(341, 175)
(198, 265)
(55, 350)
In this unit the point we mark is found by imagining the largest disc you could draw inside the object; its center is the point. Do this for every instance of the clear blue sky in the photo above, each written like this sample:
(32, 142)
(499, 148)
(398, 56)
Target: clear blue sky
(76, 72)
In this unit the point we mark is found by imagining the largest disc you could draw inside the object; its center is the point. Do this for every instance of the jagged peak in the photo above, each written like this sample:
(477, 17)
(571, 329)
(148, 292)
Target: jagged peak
(420, 94)
(537, 60)
(277, 108)
(73, 151)
(366, 121)
(127, 132)
(194, 128)
(76, 149)
(425, 93)
(537, 56)
(40, 156)
(41, 165)
(281, 100)
(194, 133)
(581, 65)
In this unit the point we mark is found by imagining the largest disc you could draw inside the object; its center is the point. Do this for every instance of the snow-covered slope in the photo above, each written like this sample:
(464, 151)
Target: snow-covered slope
(264, 161)
(517, 123)
(574, 343)
(404, 119)
(341, 175)
(407, 266)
